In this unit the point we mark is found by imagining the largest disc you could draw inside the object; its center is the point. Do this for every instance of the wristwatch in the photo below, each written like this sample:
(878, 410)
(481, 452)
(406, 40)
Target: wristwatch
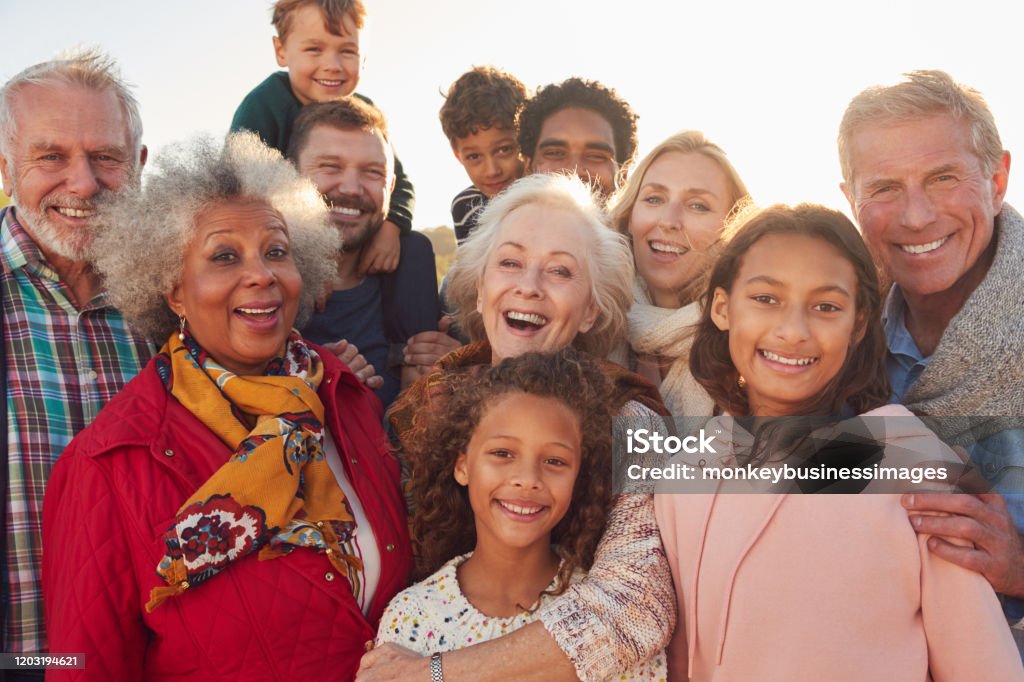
(436, 673)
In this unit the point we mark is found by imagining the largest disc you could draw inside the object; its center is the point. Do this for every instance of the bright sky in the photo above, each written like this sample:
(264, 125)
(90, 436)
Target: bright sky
(766, 81)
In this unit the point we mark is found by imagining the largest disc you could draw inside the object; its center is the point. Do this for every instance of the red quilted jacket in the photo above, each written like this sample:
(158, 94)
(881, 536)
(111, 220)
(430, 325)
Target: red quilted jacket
(114, 492)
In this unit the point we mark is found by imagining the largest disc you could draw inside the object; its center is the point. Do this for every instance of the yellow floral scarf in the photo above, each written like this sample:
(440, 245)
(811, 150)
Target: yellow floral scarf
(276, 492)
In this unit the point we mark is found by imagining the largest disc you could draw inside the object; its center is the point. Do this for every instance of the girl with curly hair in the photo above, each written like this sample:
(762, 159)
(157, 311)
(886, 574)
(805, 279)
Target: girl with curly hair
(510, 484)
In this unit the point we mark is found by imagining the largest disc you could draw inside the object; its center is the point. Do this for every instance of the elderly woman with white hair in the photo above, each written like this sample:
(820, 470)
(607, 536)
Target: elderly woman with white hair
(234, 512)
(541, 272)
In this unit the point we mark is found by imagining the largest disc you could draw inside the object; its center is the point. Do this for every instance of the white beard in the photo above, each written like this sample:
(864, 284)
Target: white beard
(75, 246)
(71, 243)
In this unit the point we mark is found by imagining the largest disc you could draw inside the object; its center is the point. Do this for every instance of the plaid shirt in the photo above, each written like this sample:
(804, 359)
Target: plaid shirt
(63, 365)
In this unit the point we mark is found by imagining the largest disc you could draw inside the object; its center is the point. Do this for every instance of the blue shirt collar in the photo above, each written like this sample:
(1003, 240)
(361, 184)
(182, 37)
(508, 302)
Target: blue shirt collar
(905, 362)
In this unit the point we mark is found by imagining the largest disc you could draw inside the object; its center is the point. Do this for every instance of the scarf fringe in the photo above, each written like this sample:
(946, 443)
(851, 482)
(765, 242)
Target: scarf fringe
(177, 579)
(341, 561)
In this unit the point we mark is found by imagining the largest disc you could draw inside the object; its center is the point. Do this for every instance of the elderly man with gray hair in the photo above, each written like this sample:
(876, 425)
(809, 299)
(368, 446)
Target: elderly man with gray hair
(71, 132)
(926, 174)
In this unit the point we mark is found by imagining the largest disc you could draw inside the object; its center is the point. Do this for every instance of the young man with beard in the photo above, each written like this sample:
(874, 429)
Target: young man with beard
(342, 146)
(71, 132)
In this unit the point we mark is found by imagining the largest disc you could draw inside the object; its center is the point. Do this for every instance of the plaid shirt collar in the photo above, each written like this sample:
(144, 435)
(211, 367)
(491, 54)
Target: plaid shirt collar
(19, 250)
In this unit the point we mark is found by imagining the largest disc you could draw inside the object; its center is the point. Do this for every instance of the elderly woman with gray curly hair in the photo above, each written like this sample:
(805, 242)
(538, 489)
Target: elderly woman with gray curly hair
(234, 512)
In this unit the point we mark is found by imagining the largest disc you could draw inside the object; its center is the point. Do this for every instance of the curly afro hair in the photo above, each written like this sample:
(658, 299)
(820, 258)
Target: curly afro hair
(579, 94)
(443, 524)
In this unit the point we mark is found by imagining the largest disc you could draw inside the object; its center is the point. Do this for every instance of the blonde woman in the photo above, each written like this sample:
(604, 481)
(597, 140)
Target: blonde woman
(672, 209)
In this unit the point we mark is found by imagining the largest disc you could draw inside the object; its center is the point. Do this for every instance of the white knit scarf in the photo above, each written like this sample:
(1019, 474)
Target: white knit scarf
(668, 333)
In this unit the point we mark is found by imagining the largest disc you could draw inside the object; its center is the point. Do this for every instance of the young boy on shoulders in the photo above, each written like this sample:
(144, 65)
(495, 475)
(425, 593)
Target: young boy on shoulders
(480, 117)
(318, 42)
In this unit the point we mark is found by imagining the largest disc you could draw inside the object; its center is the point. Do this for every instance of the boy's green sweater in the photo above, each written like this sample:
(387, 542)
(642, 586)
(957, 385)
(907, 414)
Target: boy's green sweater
(270, 111)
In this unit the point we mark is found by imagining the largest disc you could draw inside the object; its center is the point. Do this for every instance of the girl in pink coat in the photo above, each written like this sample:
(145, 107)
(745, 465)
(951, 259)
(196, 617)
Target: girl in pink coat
(782, 586)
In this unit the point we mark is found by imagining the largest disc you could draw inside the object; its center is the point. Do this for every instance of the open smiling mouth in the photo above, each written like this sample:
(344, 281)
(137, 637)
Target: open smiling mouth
(259, 314)
(522, 509)
(346, 211)
(525, 321)
(792, 362)
(666, 247)
(327, 84)
(917, 249)
(74, 212)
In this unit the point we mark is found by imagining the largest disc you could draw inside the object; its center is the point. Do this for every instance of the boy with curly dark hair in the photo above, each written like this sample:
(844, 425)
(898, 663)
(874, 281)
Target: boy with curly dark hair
(480, 117)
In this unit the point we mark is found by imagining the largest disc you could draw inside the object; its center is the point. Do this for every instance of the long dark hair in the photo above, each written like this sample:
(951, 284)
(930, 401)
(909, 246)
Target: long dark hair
(862, 384)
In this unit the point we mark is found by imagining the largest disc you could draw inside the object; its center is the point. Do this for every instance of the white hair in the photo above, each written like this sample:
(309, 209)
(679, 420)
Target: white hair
(608, 257)
(85, 67)
(140, 245)
(921, 94)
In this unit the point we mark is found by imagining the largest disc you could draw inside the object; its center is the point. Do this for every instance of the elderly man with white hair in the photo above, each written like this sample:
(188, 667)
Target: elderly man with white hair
(926, 174)
(71, 132)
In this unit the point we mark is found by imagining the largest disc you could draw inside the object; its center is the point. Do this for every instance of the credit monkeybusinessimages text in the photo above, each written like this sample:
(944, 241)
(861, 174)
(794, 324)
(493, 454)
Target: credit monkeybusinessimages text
(645, 441)
(785, 472)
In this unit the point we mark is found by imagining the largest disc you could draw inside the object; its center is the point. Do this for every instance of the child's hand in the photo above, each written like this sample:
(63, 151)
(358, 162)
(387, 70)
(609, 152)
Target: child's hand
(381, 254)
